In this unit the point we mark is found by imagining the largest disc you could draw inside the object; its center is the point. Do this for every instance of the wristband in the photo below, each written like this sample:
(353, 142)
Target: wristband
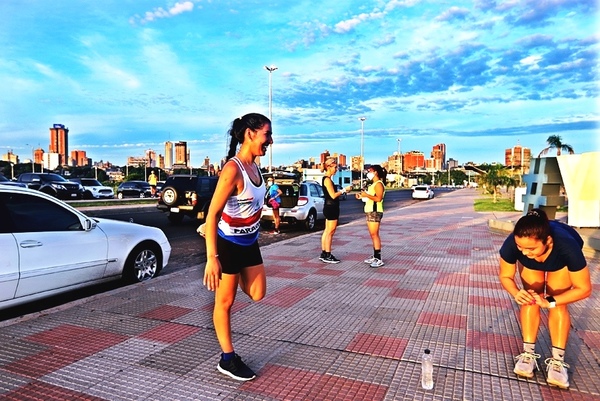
(343, 190)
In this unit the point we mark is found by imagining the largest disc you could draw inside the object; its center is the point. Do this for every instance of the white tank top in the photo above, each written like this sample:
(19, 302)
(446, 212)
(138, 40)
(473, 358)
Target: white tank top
(240, 219)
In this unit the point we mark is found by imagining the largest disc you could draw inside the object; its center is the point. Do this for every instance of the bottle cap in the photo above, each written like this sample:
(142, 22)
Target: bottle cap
(427, 351)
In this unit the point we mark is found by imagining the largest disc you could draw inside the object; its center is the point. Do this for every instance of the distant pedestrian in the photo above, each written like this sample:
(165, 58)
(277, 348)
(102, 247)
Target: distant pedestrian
(373, 198)
(274, 201)
(152, 180)
(231, 232)
(331, 210)
(554, 273)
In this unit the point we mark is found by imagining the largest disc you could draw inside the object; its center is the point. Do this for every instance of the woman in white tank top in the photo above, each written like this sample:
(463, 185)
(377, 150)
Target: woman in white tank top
(232, 254)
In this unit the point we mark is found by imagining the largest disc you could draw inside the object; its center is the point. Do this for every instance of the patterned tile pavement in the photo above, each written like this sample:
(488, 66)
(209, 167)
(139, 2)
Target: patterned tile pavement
(323, 332)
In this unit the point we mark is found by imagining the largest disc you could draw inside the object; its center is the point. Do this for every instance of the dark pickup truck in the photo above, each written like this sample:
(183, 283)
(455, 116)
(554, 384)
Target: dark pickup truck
(186, 195)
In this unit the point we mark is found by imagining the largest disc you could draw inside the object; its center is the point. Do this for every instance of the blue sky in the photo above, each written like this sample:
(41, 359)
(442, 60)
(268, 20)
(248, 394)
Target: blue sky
(125, 76)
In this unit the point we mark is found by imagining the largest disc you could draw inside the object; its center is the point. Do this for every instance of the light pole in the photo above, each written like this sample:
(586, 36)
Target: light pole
(12, 171)
(399, 161)
(362, 149)
(32, 159)
(270, 69)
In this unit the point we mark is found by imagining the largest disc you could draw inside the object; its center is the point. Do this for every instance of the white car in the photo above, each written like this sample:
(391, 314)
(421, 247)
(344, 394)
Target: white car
(300, 204)
(48, 247)
(94, 189)
(422, 192)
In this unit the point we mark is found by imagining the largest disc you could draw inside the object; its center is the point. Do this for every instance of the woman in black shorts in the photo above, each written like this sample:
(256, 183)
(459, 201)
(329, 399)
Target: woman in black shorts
(331, 210)
(548, 258)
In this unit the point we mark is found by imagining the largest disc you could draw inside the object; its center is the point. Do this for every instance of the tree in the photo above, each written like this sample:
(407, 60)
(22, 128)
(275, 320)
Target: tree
(496, 177)
(555, 142)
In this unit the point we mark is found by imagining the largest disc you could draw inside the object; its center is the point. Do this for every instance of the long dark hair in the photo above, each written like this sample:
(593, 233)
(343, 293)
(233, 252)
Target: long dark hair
(381, 172)
(534, 224)
(254, 121)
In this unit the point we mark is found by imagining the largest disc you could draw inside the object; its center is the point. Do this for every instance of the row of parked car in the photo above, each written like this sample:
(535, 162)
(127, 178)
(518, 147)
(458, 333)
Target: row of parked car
(78, 188)
(190, 195)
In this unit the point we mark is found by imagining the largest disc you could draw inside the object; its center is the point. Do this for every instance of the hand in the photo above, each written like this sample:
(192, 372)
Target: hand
(525, 297)
(212, 273)
(348, 188)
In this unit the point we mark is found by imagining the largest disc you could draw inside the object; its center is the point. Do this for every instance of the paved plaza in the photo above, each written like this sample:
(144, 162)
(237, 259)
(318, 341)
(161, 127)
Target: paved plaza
(323, 332)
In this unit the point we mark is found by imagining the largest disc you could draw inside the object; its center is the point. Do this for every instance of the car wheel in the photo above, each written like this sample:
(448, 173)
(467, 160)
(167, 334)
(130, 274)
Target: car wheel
(50, 192)
(120, 195)
(169, 196)
(143, 263)
(175, 217)
(311, 221)
(88, 195)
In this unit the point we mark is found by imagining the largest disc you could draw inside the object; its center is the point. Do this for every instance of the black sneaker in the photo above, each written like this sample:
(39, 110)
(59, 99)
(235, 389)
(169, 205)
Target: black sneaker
(236, 369)
(329, 259)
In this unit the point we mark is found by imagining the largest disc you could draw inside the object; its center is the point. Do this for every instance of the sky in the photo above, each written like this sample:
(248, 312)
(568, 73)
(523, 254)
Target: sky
(127, 75)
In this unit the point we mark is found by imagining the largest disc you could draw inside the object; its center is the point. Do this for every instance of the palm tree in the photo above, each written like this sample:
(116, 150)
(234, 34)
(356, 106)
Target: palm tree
(496, 177)
(555, 142)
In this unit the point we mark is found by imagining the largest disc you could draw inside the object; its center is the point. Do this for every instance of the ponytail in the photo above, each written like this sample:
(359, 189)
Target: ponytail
(253, 121)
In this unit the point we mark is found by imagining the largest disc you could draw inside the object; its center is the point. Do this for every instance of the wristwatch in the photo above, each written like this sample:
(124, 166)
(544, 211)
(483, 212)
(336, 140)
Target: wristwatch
(551, 301)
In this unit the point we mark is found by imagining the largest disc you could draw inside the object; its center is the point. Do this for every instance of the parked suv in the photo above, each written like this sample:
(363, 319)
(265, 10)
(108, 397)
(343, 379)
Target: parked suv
(52, 184)
(301, 203)
(186, 195)
(93, 189)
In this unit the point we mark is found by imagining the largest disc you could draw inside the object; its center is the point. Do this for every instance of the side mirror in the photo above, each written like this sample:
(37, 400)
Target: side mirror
(89, 224)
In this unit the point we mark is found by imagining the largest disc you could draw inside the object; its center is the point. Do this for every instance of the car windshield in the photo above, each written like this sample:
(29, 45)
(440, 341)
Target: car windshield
(53, 177)
(90, 183)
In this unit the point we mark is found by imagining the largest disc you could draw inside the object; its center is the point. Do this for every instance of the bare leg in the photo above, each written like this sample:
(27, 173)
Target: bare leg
(327, 237)
(224, 298)
(559, 319)
(530, 314)
(374, 232)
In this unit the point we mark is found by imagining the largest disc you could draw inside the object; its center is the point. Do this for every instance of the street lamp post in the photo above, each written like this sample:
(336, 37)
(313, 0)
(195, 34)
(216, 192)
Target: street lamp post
(270, 69)
(399, 161)
(362, 149)
(32, 159)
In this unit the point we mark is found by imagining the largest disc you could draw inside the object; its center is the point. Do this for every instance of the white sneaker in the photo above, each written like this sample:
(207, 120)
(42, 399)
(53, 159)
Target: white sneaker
(525, 364)
(370, 260)
(377, 263)
(557, 373)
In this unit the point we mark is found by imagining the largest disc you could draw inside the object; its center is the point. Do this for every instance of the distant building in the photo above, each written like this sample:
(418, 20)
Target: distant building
(452, 163)
(181, 155)
(168, 154)
(438, 154)
(38, 156)
(150, 158)
(413, 160)
(10, 157)
(59, 142)
(79, 158)
(518, 158)
(394, 163)
(51, 161)
(357, 163)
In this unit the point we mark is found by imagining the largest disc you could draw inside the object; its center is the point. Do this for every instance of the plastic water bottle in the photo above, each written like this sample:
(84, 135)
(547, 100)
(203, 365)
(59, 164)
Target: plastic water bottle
(427, 370)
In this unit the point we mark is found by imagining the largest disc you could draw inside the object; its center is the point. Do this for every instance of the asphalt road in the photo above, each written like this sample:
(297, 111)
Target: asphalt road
(188, 247)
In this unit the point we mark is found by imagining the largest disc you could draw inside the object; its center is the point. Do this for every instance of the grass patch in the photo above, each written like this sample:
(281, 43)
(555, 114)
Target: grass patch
(487, 205)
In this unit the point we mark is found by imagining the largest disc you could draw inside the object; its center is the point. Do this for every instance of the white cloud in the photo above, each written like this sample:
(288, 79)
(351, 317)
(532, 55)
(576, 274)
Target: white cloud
(159, 12)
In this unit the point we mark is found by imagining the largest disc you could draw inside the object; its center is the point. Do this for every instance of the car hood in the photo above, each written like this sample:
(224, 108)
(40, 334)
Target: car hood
(114, 227)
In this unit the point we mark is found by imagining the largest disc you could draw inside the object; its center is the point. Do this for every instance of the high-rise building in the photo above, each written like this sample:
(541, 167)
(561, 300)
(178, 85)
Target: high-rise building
(518, 158)
(181, 154)
(168, 154)
(59, 142)
(79, 158)
(38, 156)
(342, 160)
(394, 163)
(438, 154)
(150, 158)
(10, 157)
(413, 160)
